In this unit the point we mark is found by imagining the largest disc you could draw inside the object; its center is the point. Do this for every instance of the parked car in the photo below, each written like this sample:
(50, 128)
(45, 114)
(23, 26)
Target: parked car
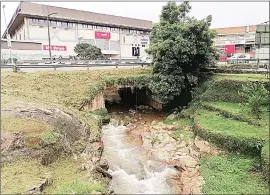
(264, 64)
(239, 58)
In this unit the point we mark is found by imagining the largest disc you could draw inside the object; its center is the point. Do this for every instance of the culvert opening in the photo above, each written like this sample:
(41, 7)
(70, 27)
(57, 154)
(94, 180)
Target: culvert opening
(125, 98)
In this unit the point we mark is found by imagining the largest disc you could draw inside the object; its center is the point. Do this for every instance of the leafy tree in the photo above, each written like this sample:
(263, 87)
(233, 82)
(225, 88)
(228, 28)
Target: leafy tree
(88, 52)
(256, 95)
(180, 46)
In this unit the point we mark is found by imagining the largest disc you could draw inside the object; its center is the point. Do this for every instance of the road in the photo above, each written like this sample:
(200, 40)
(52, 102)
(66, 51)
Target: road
(65, 68)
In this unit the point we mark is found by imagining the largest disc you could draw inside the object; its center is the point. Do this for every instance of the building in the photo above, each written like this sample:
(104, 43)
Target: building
(262, 41)
(117, 37)
(233, 40)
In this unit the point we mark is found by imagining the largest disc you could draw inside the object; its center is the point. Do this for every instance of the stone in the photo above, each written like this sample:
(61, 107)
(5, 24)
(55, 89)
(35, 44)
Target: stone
(46, 181)
(114, 122)
(171, 117)
(154, 122)
(103, 163)
(185, 161)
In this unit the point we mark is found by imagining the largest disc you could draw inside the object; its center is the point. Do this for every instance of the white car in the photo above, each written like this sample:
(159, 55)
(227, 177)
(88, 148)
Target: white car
(239, 58)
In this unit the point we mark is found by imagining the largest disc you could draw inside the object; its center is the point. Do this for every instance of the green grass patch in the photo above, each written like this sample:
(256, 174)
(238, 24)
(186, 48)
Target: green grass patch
(80, 187)
(232, 174)
(239, 111)
(182, 133)
(23, 125)
(265, 161)
(228, 133)
(242, 77)
(21, 175)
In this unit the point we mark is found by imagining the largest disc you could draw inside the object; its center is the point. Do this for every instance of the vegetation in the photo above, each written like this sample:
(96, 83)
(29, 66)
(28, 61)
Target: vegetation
(79, 187)
(255, 95)
(180, 46)
(23, 125)
(222, 117)
(232, 174)
(88, 52)
(229, 133)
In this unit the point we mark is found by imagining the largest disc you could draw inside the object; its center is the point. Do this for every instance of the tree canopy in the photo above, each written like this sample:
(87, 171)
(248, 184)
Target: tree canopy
(88, 52)
(180, 45)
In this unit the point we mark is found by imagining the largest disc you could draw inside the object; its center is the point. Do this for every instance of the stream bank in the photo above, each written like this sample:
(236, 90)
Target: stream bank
(147, 156)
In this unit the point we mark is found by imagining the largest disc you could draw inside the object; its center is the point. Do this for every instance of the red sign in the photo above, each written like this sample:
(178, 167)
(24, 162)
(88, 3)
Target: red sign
(102, 35)
(229, 49)
(55, 47)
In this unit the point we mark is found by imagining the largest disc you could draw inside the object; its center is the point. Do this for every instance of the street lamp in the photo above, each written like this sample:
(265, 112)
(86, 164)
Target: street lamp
(9, 41)
(49, 36)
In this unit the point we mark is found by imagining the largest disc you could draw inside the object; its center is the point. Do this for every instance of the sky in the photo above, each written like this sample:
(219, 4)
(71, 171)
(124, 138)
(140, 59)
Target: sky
(224, 14)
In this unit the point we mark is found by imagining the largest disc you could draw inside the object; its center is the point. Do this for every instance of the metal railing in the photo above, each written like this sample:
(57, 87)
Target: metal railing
(56, 64)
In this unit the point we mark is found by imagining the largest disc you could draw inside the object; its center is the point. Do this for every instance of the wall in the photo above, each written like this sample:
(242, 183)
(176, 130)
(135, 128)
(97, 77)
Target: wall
(70, 36)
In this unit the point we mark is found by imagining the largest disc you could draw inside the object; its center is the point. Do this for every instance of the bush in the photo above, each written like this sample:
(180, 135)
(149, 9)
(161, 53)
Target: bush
(88, 52)
(255, 95)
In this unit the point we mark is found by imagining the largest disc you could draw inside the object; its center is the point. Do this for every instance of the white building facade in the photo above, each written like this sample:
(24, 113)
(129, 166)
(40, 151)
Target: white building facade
(117, 37)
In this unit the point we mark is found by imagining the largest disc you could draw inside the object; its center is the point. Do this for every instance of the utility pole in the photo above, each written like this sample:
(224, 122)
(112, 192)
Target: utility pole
(119, 44)
(9, 42)
(49, 36)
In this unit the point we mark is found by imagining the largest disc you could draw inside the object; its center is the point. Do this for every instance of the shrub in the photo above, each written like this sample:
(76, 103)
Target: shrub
(255, 95)
(89, 52)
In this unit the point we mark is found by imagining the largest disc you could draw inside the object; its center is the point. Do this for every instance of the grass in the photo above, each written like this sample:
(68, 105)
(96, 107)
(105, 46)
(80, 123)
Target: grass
(22, 125)
(181, 133)
(213, 121)
(23, 174)
(240, 109)
(66, 88)
(228, 133)
(230, 174)
(242, 77)
(79, 187)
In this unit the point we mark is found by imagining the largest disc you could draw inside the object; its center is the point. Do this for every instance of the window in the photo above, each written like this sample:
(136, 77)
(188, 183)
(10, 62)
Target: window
(90, 26)
(124, 39)
(99, 27)
(64, 24)
(104, 28)
(143, 45)
(20, 36)
(42, 22)
(94, 27)
(70, 25)
(53, 23)
(84, 26)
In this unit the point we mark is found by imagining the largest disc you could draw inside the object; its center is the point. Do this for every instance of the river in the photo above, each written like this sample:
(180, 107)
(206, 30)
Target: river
(133, 171)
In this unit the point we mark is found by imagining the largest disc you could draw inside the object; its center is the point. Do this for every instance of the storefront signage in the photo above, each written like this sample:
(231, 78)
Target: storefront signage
(229, 49)
(235, 42)
(102, 35)
(135, 51)
(55, 48)
(144, 41)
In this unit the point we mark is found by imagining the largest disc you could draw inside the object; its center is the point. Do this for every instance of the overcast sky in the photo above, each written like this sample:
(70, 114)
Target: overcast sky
(224, 14)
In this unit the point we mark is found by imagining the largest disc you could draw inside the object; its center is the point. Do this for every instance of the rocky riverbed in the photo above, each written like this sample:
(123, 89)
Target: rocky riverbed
(157, 139)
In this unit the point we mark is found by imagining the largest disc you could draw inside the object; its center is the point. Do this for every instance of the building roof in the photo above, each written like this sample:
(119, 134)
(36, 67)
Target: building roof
(236, 30)
(27, 9)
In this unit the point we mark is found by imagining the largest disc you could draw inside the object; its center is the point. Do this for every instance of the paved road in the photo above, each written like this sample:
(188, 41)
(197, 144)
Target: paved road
(65, 68)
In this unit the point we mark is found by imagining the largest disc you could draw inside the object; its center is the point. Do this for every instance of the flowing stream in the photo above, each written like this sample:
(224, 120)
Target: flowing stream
(132, 170)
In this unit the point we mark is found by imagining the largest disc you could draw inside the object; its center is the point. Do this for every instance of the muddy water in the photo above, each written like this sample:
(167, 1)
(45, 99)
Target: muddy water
(133, 171)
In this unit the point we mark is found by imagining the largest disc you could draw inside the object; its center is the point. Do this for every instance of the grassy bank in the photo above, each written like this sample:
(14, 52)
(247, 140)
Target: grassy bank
(222, 117)
(66, 90)
(232, 174)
